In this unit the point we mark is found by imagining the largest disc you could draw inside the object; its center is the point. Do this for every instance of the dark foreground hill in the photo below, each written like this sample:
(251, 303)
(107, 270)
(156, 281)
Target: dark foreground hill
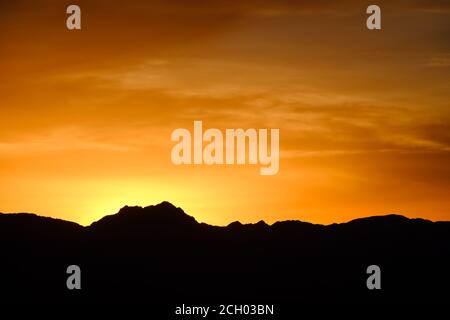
(159, 252)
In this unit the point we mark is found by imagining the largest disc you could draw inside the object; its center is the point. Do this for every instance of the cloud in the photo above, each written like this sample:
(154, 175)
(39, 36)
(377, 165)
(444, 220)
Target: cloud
(61, 139)
(155, 64)
(442, 60)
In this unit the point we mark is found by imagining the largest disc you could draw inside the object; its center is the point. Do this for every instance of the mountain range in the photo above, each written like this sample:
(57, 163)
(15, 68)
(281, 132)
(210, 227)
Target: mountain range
(161, 252)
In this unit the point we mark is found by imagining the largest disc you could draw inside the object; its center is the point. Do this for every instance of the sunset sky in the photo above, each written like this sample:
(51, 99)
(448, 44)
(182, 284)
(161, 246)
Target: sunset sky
(86, 115)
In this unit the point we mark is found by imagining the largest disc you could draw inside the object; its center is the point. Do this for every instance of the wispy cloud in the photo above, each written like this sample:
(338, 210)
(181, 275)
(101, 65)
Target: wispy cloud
(61, 139)
(442, 60)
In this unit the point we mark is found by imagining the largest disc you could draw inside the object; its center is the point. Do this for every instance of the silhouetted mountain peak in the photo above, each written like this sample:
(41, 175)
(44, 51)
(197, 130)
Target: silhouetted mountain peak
(386, 218)
(261, 223)
(165, 205)
(162, 215)
(33, 225)
(24, 218)
(390, 221)
(234, 225)
(238, 226)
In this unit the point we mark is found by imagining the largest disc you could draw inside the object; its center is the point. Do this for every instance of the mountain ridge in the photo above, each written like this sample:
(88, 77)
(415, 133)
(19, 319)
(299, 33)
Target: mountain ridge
(163, 248)
(165, 205)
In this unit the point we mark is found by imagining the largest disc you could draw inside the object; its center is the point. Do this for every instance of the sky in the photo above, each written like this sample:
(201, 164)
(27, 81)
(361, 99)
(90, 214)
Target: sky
(87, 115)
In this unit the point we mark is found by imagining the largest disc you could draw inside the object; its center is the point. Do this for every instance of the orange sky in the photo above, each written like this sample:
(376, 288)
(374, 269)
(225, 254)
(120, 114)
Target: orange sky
(86, 116)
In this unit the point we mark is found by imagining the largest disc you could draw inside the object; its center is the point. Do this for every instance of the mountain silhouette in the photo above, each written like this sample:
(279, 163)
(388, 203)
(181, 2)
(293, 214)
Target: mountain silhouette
(161, 252)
